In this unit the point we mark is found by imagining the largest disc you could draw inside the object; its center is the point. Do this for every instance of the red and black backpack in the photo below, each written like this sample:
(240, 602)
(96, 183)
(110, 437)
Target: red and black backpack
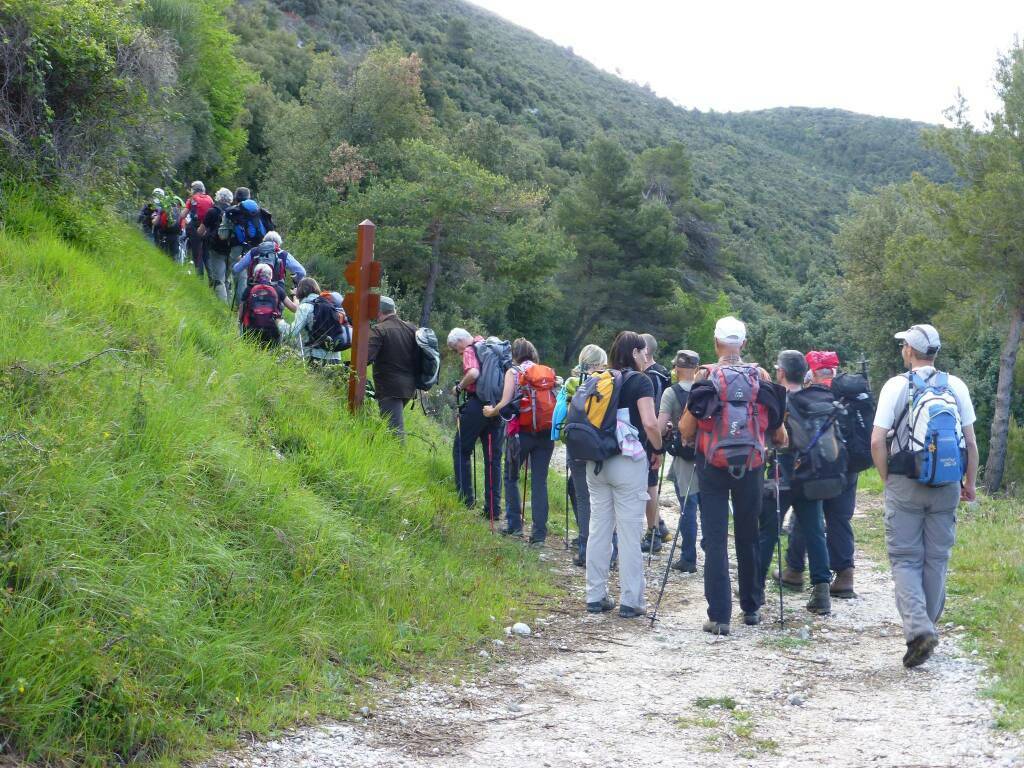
(262, 308)
(731, 434)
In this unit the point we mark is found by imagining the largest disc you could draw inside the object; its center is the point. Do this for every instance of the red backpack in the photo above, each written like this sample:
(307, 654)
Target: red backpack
(262, 308)
(731, 434)
(198, 205)
(536, 398)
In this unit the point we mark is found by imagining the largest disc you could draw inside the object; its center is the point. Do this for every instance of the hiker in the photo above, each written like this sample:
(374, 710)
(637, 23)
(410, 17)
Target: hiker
(250, 222)
(196, 207)
(471, 426)
(147, 215)
(530, 386)
(838, 510)
(167, 222)
(618, 484)
(259, 314)
(216, 233)
(314, 348)
(732, 406)
(270, 252)
(394, 355)
(790, 369)
(660, 378)
(673, 403)
(924, 447)
(592, 359)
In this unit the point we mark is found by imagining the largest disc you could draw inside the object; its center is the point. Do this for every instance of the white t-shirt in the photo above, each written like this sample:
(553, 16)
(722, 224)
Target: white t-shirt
(892, 401)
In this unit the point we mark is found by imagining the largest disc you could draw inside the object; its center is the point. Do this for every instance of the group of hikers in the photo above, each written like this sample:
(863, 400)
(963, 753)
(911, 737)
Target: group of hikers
(231, 239)
(771, 450)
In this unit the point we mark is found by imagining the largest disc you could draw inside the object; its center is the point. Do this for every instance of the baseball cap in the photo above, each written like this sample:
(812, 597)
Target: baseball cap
(730, 330)
(924, 338)
(686, 358)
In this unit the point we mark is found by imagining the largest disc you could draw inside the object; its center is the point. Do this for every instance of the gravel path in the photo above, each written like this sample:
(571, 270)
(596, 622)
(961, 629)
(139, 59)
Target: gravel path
(602, 691)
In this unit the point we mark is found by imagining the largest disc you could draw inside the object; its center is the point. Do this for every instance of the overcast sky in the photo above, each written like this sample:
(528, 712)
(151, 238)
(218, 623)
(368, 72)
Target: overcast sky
(898, 58)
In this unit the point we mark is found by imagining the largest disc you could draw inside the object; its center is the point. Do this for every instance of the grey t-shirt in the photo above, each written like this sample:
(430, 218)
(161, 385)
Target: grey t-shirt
(682, 469)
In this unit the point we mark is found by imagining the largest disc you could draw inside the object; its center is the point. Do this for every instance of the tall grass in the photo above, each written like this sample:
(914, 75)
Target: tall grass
(196, 539)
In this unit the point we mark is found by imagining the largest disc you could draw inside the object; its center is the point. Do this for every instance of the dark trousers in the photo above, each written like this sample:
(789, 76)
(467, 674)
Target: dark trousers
(197, 247)
(393, 409)
(809, 522)
(717, 487)
(473, 426)
(537, 449)
(838, 532)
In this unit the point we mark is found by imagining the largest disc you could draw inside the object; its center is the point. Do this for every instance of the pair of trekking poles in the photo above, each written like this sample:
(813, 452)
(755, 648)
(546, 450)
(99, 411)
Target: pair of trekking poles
(679, 527)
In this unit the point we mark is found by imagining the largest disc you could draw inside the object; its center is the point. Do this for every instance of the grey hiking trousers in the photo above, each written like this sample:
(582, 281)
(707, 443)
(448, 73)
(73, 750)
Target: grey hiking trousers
(920, 528)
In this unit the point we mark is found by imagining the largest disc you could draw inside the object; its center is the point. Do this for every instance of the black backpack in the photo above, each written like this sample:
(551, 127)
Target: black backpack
(269, 254)
(819, 454)
(856, 424)
(327, 331)
(674, 442)
(590, 424)
(428, 362)
(495, 358)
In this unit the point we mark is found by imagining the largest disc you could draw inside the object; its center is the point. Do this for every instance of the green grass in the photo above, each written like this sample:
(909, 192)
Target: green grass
(706, 702)
(196, 539)
(985, 590)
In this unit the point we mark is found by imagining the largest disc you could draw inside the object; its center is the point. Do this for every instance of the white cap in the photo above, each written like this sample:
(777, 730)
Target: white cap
(729, 330)
(924, 338)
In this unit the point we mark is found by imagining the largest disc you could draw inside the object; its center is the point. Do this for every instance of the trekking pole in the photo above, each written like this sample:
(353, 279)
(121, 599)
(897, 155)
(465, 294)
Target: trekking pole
(654, 531)
(672, 549)
(490, 474)
(778, 541)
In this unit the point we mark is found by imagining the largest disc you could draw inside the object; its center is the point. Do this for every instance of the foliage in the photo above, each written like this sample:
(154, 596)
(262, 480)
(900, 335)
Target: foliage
(196, 539)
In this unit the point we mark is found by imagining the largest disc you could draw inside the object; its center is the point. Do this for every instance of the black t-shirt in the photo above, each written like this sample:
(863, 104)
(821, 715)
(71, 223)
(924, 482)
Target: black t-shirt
(661, 379)
(212, 221)
(634, 388)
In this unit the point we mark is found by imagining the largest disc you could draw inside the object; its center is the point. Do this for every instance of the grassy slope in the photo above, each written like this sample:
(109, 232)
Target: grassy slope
(195, 539)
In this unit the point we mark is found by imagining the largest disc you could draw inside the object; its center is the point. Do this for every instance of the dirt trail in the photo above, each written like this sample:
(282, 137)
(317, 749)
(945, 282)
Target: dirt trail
(603, 691)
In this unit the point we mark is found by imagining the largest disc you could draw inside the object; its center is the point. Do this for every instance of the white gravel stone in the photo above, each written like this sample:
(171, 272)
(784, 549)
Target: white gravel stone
(521, 629)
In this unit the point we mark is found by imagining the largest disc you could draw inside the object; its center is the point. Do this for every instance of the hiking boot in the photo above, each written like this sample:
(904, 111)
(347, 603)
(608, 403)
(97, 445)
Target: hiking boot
(820, 602)
(663, 532)
(790, 579)
(603, 605)
(715, 628)
(580, 562)
(629, 612)
(842, 585)
(686, 566)
(919, 649)
(752, 619)
(517, 534)
(536, 542)
(645, 545)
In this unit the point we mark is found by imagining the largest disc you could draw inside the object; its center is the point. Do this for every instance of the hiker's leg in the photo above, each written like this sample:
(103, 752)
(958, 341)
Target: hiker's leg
(796, 549)
(492, 442)
(939, 536)
(393, 409)
(217, 267)
(602, 523)
(768, 536)
(746, 509)
(578, 470)
(541, 449)
(468, 430)
(629, 488)
(513, 466)
(714, 523)
(810, 520)
(688, 537)
(839, 527)
(904, 539)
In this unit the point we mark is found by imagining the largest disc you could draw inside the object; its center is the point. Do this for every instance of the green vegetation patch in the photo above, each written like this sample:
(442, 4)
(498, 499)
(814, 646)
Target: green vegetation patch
(196, 539)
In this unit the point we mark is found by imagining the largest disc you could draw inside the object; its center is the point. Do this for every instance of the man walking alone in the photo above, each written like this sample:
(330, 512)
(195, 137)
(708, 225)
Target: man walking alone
(921, 494)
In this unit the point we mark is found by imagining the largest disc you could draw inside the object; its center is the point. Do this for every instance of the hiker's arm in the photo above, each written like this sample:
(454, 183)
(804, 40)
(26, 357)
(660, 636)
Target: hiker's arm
(688, 427)
(293, 306)
(373, 345)
(507, 393)
(470, 376)
(292, 265)
(780, 437)
(242, 263)
(663, 421)
(645, 405)
(969, 491)
(880, 452)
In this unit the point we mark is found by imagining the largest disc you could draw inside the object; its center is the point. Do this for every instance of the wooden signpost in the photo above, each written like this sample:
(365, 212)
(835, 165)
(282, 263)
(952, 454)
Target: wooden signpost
(361, 306)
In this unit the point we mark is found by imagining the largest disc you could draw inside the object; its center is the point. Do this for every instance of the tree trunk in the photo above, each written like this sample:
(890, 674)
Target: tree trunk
(1004, 390)
(432, 275)
(572, 347)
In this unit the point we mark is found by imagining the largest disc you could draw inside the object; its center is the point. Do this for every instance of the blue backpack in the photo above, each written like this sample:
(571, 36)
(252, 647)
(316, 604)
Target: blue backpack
(249, 226)
(935, 432)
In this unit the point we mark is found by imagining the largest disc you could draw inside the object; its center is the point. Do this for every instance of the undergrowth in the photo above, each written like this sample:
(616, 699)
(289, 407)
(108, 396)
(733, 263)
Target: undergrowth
(196, 539)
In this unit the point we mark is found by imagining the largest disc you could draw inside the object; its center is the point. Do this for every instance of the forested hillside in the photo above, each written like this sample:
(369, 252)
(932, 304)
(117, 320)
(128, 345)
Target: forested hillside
(766, 186)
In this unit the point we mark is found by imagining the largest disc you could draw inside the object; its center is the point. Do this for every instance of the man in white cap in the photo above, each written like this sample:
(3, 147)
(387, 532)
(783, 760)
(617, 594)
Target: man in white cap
(923, 415)
(731, 409)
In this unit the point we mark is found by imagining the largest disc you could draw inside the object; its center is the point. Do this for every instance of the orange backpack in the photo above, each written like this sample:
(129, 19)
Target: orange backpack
(536, 398)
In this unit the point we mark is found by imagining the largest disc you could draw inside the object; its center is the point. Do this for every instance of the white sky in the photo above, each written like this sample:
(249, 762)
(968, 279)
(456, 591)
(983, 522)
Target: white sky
(898, 58)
